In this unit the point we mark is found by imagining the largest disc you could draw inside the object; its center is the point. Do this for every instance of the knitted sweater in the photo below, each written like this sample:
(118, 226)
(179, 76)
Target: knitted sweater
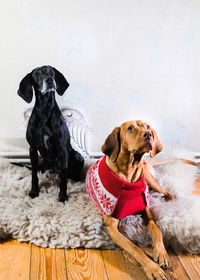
(114, 196)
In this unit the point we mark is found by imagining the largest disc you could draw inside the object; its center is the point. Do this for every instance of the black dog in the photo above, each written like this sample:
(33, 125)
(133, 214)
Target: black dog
(47, 131)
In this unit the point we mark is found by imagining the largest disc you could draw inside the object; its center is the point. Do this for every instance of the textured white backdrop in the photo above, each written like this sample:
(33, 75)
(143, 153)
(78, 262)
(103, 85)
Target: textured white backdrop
(123, 59)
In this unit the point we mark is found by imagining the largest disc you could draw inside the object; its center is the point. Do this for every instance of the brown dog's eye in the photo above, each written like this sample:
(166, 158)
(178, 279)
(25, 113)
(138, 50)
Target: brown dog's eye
(148, 126)
(130, 128)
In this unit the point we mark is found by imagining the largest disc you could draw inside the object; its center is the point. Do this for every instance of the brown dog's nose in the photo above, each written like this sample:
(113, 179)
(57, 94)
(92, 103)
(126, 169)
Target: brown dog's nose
(148, 135)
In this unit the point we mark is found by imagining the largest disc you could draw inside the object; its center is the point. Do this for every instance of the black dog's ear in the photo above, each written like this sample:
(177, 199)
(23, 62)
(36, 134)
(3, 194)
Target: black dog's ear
(61, 83)
(25, 88)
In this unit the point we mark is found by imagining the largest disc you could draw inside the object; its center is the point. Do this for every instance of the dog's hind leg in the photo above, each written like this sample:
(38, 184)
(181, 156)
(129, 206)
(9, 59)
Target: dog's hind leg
(76, 162)
(34, 163)
(63, 185)
(172, 160)
(152, 270)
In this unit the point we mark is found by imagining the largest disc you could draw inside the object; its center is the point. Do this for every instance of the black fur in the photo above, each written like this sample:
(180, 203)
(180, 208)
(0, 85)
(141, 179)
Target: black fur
(47, 131)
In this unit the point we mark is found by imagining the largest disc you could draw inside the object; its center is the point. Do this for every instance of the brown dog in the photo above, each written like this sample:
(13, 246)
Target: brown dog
(125, 159)
(124, 149)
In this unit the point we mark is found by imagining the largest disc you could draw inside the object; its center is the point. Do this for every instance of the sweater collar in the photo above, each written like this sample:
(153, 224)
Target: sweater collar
(108, 178)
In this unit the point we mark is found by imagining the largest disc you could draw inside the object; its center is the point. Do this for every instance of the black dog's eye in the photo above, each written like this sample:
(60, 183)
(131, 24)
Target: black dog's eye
(50, 72)
(130, 128)
(36, 75)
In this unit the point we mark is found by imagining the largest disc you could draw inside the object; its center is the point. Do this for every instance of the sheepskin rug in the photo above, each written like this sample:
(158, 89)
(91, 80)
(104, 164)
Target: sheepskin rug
(46, 222)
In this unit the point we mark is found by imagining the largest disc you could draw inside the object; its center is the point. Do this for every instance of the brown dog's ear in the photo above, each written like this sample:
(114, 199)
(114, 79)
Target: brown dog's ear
(157, 146)
(61, 83)
(25, 88)
(111, 147)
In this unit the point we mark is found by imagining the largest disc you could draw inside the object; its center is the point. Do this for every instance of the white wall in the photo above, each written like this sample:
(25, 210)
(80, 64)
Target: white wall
(131, 59)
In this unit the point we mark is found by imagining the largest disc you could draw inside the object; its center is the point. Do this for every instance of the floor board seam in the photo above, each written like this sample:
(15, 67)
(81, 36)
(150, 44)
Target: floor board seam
(104, 265)
(30, 262)
(65, 265)
(181, 263)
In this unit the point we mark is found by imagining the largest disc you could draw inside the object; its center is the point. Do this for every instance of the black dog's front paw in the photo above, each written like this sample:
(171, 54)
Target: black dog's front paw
(34, 194)
(62, 197)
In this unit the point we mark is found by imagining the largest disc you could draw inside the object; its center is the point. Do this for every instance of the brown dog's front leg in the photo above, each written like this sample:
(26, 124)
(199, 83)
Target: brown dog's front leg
(153, 184)
(159, 253)
(152, 270)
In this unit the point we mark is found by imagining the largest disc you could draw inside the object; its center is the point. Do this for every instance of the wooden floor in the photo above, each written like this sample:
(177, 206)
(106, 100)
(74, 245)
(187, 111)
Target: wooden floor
(23, 261)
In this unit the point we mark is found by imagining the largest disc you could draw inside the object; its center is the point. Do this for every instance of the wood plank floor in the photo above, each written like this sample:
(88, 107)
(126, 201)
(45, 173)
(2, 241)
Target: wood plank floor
(23, 261)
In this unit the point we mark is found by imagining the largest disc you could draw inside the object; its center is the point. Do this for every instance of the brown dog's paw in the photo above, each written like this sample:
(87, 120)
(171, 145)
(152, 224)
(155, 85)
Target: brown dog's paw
(169, 196)
(160, 256)
(154, 272)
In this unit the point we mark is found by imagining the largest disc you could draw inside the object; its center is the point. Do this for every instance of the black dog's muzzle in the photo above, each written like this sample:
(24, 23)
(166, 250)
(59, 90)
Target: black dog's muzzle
(48, 85)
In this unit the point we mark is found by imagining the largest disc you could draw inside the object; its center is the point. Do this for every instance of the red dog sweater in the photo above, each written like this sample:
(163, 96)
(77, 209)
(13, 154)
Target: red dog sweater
(114, 196)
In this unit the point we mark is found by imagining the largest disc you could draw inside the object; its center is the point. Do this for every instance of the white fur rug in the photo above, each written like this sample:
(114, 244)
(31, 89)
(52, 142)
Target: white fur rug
(178, 220)
(46, 222)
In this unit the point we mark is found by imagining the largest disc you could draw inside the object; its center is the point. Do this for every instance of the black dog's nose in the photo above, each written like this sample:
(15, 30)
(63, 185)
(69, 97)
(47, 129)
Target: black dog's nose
(50, 80)
(148, 135)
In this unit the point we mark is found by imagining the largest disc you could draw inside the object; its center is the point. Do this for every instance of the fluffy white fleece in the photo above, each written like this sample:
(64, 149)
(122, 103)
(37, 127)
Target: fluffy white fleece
(46, 222)
(179, 219)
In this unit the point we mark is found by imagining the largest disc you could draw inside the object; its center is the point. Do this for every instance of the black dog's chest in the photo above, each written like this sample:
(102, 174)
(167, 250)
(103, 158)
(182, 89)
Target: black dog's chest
(44, 139)
(48, 137)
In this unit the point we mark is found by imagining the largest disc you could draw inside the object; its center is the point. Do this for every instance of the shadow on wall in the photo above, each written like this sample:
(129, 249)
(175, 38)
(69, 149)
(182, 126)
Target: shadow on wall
(18, 144)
